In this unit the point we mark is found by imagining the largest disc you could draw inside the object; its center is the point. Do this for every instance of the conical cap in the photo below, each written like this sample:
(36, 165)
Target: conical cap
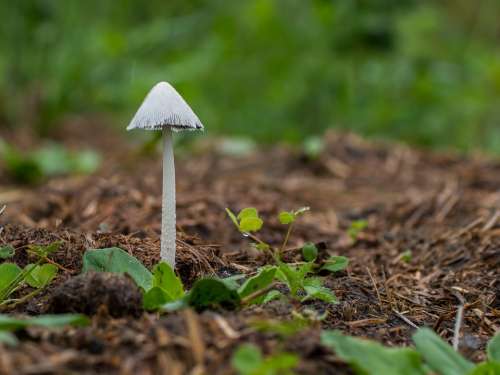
(164, 107)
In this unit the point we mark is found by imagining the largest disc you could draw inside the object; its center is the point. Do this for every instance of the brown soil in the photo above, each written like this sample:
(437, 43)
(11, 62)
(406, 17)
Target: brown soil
(443, 208)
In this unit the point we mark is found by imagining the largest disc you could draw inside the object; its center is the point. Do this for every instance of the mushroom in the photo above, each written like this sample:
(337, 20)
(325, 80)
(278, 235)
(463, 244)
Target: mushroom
(164, 109)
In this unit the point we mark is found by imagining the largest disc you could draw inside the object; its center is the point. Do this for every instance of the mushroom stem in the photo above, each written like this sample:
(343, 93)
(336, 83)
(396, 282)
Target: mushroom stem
(168, 203)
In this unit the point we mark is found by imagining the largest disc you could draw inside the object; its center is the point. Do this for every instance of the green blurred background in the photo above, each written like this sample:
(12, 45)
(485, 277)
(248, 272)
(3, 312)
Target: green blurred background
(427, 72)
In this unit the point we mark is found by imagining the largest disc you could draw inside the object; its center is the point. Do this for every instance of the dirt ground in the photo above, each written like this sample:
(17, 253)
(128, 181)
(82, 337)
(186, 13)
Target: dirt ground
(444, 209)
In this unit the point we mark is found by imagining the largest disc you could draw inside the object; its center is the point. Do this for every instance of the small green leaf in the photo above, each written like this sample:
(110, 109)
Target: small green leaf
(117, 260)
(493, 348)
(45, 250)
(8, 338)
(8, 273)
(40, 276)
(165, 278)
(155, 298)
(52, 248)
(314, 281)
(292, 276)
(250, 224)
(309, 252)
(367, 357)
(10, 323)
(167, 288)
(247, 359)
(212, 293)
(439, 355)
(248, 212)
(286, 217)
(232, 281)
(271, 296)
(486, 368)
(7, 252)
(336, 263)
(320, 293)
(260, 281)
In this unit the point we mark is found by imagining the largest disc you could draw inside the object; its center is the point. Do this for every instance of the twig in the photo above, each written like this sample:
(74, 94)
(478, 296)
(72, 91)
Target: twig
(225, 327)
(491, 223)
(375, 287)
(405, 319)
(458, 320)
(195, 336)
(48, 260)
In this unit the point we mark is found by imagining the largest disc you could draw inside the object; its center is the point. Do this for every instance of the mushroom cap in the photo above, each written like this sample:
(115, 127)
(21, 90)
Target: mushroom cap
(162, 108)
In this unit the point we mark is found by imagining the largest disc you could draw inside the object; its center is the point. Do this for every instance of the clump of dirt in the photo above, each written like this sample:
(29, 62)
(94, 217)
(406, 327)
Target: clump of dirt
(89, 292)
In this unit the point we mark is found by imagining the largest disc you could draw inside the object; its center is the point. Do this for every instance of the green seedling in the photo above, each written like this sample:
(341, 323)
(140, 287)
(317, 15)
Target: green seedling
(36, 275)
(43, 252)
(248, 222)
(356, 228)
(167, 287)
(163, 290)
(248, 360)
(301, 279)
(335, 263)
(431, 355)
(303, 283)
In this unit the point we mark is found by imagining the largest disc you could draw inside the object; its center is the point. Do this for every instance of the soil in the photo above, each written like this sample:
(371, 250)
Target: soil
(442, 208)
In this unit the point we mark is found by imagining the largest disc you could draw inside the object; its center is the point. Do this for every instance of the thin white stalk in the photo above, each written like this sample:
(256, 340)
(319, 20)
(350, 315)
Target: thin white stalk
(168, 201)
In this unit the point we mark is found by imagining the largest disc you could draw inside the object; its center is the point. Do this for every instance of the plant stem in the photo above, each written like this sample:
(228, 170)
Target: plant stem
(287, 236)
(168, 233)
(10, 303)
(270, 249)
(48, 260)
(258, 293)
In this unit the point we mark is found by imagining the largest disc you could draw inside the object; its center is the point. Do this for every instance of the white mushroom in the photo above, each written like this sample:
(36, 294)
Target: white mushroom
(164, 109)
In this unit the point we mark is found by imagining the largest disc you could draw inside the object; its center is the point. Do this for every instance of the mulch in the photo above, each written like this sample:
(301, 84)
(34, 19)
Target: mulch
(441, 208)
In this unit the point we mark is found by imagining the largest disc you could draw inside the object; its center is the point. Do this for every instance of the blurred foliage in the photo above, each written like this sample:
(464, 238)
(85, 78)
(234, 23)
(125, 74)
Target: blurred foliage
(422, 71)
(48, 161)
